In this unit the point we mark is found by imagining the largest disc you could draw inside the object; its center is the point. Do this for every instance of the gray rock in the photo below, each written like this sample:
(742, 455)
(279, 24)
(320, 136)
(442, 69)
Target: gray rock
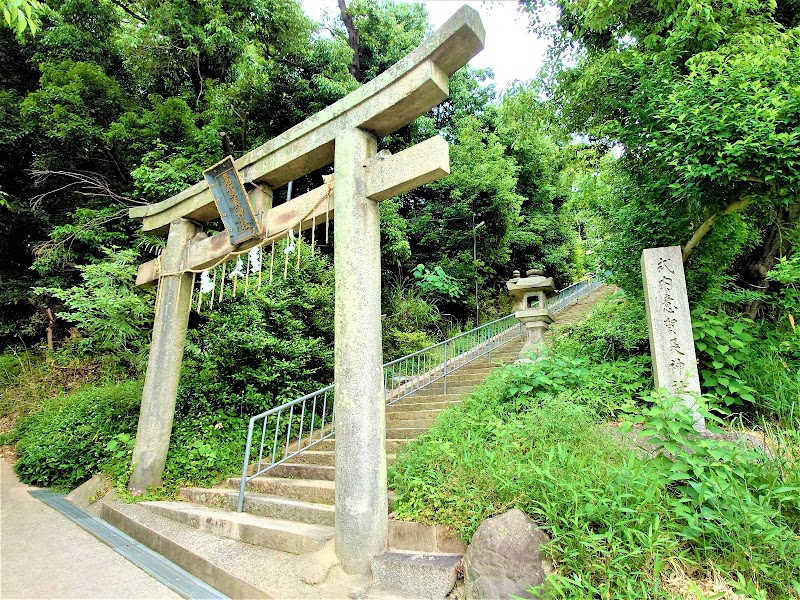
(504, 559)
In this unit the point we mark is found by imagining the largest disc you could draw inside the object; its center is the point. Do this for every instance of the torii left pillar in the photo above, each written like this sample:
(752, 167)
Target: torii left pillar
(164, 364)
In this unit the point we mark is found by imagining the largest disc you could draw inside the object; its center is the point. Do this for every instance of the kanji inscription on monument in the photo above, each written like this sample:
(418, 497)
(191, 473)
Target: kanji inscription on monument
(670, 325)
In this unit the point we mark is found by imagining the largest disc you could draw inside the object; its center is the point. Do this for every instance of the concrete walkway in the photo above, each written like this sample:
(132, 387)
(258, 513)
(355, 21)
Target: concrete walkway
(45, 555)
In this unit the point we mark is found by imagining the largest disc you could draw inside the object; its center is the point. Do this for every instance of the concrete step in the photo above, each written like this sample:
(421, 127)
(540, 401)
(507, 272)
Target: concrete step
(327, 458)
(420, 537)
(415, 574)
(452, 389)
(419, 414)
(289, 470)
(394, 422)
(414, 404)
(407, 433)
(234, 568)
(392, 444)
(455, 398)
(287, 536)
(454, 383)
(315, 457)
(262, 505)
(316, 491)
(482, 370)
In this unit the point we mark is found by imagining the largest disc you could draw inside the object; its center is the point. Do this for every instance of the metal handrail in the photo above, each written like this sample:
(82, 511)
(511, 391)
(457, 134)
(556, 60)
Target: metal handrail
(566, 296)
(307, 424)
(304, 427)
(406, 375)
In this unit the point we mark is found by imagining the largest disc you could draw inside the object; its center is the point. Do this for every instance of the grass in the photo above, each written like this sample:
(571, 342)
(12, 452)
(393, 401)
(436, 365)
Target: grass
(700, 518)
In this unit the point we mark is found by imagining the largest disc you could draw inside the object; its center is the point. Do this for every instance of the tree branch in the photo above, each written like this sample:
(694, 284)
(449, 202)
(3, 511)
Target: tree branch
(703, 230)
(352, 39)
(128, 10)
(89, 184)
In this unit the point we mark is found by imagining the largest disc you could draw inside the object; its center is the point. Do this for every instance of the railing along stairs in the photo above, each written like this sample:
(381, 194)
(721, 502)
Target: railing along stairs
(308, 420)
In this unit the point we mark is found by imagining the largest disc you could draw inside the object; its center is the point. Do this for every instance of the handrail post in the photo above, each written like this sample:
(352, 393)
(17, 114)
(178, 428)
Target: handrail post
(445, 368)
(240, 503)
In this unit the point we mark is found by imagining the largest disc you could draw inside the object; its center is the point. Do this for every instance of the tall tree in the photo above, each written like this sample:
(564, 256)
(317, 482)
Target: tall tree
(703, 100)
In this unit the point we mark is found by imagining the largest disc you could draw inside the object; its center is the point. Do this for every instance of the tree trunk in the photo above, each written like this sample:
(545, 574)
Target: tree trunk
(51, 325)
(352, 39)
(753, 272)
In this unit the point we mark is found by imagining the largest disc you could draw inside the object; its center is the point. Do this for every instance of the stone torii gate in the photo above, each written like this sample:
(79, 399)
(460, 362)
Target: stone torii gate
(346, 134)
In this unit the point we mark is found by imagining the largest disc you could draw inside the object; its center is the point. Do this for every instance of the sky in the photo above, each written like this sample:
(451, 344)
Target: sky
(511, 50)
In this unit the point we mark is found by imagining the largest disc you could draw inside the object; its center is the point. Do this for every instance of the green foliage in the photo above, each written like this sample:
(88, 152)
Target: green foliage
(411, 323)
(700, 100)
(733, 505)
(395, 246)
(545, 236)
(20, 15)
(264, 348)
(724, 347)
(623, 517)
(66, 443)
(109, 311)
(435, 282)
(387, 32)
(77, 101)
(33, 377)
(466, 468)
(619, 522)
(787, 272)
(615, 329)
(90, 236)
(205, 448)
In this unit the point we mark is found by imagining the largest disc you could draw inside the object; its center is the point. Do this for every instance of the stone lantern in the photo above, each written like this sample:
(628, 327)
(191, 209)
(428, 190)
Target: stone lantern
(529, 295)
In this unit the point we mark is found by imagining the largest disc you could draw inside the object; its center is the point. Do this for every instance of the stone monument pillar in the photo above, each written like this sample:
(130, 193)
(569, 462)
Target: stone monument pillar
(530, 304)
(670, 325)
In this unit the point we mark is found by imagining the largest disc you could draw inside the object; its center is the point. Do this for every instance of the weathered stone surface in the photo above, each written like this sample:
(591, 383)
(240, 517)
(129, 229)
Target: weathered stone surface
(164, 363)
(416, 575)
(393, 175)
(287, 536)
(315, 566)
(503, 559)
(361, 506)
(670, 325)
(419, 537)
(529, 295)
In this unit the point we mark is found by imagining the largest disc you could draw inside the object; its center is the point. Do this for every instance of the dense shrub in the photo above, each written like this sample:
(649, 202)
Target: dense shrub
(616, 329)
(264, 348)
(65, 443)
(411, 323)
(205, 448)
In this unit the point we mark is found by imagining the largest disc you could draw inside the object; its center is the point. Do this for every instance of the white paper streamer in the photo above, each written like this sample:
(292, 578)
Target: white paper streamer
(290, 247)
(238, 271)
(205, 282)
(255, 259)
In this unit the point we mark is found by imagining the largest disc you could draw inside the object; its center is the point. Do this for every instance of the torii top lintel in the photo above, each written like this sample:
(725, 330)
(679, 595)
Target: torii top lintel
(408, 89)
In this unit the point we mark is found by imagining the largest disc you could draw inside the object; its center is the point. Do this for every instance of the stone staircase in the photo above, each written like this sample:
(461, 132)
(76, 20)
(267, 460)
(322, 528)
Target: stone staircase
(289, 511)
(291, 508)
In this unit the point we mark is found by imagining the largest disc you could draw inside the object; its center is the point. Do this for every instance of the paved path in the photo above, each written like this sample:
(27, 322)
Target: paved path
(45, 555)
